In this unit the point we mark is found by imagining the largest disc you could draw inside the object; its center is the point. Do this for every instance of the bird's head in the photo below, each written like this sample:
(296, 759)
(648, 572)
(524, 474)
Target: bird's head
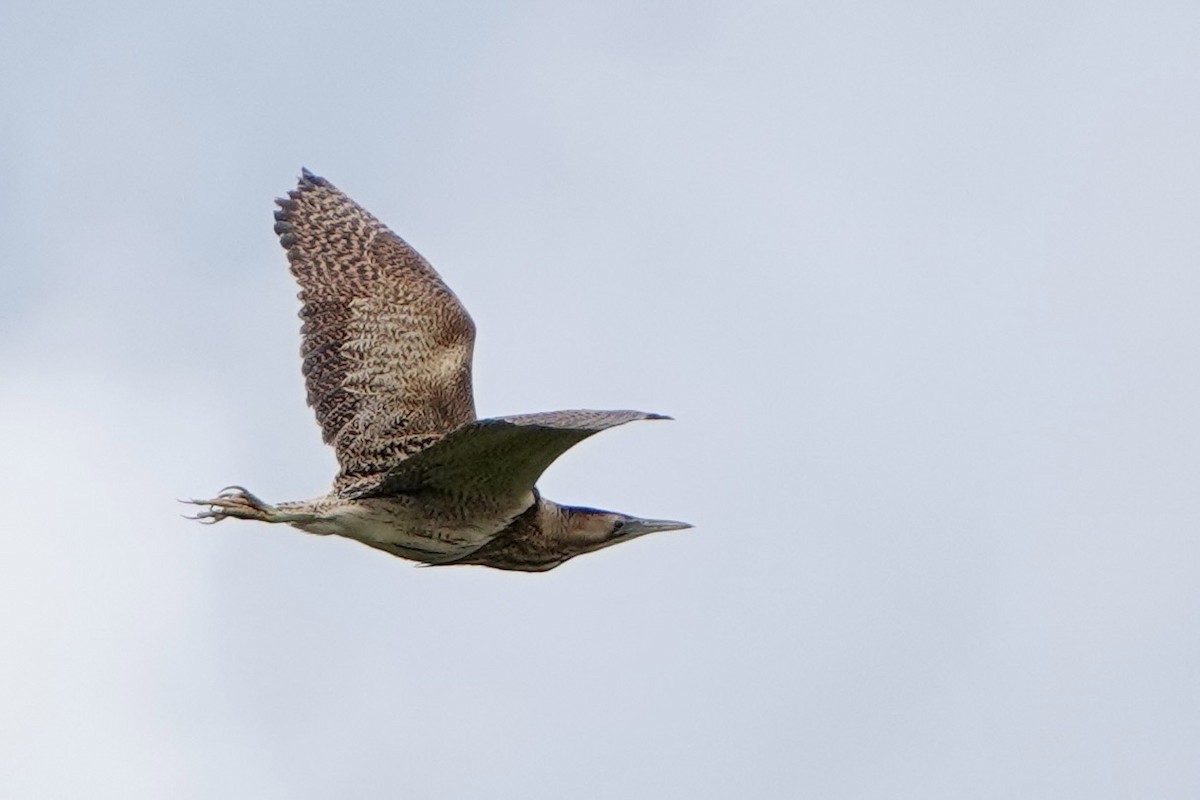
(586, 530)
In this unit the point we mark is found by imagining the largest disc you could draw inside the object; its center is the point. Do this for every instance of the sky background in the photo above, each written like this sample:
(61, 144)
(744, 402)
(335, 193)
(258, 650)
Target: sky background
(919, 282)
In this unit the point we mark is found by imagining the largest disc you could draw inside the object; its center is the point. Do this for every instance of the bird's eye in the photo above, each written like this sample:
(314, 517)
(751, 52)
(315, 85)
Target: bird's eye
(618, 525)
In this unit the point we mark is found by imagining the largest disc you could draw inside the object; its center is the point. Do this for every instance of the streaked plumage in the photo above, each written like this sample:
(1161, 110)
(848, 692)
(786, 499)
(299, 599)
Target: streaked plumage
(387, 353)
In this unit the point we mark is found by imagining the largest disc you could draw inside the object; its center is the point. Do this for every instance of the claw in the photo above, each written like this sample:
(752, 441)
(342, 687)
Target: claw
(205, 517)
(233, 501)
(210, 516)
(241, 493)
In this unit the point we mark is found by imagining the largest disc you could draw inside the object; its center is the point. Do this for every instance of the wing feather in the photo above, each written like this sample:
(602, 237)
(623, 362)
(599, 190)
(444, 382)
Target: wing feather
(493, 460)
(386, 347)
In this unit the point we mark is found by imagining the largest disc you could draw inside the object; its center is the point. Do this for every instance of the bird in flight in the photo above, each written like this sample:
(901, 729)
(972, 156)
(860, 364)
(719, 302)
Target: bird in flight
(387, 365)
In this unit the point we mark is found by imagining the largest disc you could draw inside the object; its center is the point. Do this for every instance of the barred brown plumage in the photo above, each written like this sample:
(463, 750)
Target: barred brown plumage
(386, 349)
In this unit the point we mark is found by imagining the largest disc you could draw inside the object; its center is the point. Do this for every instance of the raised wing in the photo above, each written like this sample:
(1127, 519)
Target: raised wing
(497, 458)
(386, 345)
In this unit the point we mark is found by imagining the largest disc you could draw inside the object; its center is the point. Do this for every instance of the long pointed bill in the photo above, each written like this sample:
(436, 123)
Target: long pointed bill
(640, 527)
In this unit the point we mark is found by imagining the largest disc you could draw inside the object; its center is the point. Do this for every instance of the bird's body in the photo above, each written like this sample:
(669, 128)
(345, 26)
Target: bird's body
(387, 362)
(430, 532)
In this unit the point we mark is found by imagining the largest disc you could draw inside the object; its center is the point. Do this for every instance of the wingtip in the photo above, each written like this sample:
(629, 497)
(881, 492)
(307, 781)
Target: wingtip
(659, 416)
(287, 205)
(307, 177)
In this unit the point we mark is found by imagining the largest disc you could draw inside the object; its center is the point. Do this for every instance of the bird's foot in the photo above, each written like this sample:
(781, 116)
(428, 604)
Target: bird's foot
(233, 501)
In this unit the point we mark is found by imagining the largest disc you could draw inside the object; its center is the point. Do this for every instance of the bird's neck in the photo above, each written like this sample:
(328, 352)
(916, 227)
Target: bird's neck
(532, 542)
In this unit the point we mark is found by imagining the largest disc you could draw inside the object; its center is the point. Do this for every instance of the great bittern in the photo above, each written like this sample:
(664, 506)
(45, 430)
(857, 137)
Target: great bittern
(387, 364)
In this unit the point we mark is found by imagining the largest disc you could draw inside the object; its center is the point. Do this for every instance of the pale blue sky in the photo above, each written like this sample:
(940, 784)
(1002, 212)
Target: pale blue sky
(918, 281)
